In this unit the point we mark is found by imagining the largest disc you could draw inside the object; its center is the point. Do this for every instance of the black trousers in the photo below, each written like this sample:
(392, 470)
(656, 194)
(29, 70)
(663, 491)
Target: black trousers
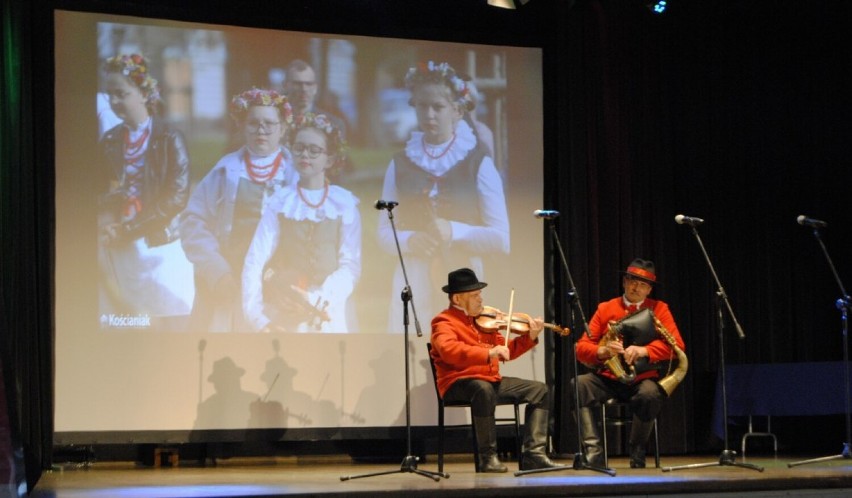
(484, 396)
(645, 397)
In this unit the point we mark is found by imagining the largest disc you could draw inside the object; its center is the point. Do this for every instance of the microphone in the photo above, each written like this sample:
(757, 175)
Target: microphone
(810, 222)
(544, 214)
(389, 205)
(688, 220)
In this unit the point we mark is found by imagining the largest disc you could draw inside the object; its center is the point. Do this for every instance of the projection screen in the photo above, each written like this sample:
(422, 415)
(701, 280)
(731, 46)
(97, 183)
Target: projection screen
(125, 372)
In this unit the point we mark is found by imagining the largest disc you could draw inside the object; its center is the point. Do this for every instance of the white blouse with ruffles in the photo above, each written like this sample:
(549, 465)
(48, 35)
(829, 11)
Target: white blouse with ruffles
(338, 286)
(490, 236)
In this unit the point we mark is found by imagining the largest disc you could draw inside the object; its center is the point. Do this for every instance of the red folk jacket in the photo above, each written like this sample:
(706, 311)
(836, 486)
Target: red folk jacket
(460, 349)
(614, 309)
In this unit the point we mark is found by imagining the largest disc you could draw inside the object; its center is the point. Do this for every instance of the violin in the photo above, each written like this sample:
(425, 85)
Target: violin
(492, 320)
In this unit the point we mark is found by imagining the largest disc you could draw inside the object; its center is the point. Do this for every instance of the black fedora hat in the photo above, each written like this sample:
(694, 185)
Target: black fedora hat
(462, 280)
(642, 269)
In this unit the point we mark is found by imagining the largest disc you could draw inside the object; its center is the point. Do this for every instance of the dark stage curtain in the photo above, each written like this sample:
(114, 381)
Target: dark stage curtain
(735, 113)
(26, 214)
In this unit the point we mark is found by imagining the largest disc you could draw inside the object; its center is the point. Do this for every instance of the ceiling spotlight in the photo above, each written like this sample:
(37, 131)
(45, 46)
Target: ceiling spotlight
(507, 4)
(657, 6)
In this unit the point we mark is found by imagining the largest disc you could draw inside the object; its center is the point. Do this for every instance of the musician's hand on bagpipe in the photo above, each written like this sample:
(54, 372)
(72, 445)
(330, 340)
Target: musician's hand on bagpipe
(633, 353)
(615, 348)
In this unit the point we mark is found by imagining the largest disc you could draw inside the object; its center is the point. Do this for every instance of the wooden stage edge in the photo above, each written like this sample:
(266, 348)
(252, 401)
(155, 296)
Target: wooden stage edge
(331, 476)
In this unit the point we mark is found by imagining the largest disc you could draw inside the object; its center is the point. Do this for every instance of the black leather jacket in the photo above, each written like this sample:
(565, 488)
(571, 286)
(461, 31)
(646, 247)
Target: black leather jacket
(165, 184)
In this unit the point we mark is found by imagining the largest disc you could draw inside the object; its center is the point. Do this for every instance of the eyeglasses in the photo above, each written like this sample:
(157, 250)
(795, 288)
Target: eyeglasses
(312, 151)
(255, 126)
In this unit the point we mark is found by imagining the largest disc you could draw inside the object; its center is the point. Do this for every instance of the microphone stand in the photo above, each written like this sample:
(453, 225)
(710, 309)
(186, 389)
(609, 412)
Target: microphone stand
(843, 305)
(409, 463)
(580, 460)
(728, 456)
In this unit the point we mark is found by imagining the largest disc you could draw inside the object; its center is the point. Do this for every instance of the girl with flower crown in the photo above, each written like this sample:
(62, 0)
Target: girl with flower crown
(452, 209)
(225, 207)
(304, 284)
(144, 269)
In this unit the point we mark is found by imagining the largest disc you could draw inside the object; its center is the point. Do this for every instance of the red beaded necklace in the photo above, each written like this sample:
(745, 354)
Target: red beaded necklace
(261, 174)
(131, 148)
(320, 203)
(443, 153)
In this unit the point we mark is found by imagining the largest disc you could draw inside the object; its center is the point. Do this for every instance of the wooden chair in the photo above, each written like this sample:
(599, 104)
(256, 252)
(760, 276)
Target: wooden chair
(622, 419)
(515, 422)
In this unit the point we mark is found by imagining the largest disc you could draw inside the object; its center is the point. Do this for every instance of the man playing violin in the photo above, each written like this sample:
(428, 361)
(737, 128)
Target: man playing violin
(642, 391)
(467, 362)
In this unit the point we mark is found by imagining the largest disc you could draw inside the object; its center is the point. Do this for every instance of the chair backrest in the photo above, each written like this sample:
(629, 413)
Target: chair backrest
(434, 372)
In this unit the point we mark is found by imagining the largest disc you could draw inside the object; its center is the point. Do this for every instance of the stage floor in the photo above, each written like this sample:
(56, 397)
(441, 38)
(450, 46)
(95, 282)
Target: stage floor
(321, 476)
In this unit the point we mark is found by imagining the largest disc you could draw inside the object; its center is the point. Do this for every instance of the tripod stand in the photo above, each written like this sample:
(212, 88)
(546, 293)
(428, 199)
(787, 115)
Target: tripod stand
(409, 462)
(580, 461)
(843, 305)
(728, 456)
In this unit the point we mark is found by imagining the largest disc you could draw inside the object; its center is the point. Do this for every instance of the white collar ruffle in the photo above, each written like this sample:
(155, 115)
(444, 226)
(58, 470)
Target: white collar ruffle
(340, 203)
(464, 142)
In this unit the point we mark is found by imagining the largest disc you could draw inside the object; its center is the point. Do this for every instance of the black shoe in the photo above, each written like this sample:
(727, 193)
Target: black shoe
(637, 456)
(491, 464)
(533, 461)
(597, 462)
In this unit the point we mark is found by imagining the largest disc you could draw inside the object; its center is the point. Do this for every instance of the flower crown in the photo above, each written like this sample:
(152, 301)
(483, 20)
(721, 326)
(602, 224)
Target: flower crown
(135, 67)
(430, 72)
(334, 135)
(241, 103)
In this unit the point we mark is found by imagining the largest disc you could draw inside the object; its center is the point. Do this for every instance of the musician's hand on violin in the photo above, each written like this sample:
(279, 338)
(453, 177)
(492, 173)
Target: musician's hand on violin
(499, 352)
(633, 353)
(536, 326)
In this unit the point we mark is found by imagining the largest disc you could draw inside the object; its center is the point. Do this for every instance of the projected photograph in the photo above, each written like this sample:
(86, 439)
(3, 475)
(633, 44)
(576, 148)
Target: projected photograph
(216, 215)
(242, 208)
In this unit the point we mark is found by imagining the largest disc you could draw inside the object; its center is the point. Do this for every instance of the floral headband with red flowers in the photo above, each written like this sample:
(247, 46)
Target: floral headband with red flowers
(443, 73)
(241, 103)
(135, 68)
(334, 135)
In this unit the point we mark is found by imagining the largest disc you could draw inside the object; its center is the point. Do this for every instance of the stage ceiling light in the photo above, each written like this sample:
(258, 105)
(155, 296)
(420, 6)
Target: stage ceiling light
(507, 4)
(657, 6)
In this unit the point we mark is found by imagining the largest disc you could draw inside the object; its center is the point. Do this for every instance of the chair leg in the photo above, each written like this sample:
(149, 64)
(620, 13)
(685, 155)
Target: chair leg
(603, 436)
(475, 444)
(518, 436)
(441, 438)
(656, 445)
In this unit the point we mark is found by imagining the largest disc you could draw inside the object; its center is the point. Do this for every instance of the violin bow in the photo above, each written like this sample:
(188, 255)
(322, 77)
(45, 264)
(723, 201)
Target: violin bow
(509, 320)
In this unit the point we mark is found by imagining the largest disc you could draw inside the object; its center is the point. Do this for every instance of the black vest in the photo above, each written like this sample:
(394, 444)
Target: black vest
(456, 198)
(307, 250)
